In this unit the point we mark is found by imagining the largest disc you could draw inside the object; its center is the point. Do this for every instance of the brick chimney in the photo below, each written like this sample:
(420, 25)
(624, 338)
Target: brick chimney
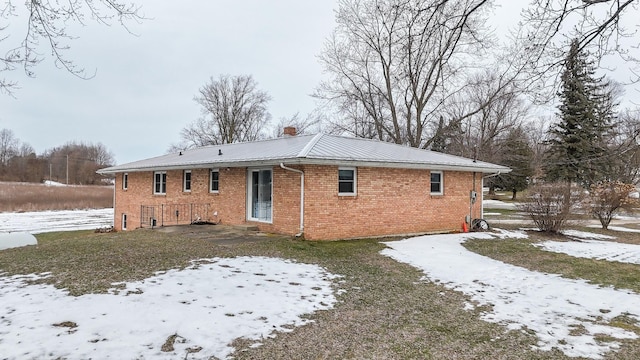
(289, 131)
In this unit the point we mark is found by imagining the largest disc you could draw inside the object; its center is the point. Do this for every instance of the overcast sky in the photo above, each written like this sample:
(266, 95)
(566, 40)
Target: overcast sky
(142, 94)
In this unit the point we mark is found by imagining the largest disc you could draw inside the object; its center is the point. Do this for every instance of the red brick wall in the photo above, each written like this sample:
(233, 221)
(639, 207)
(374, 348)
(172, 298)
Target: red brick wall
(229, 202)
(388, 201)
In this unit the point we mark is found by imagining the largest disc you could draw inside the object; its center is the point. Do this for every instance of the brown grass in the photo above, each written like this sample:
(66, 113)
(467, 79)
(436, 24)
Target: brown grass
(37, 197)
(387, 311)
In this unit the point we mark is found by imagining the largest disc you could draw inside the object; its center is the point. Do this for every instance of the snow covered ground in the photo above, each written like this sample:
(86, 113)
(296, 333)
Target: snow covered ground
(497, 204)
(562, 312)
(206, 306)
(60, 220)
(11, 240)
(594, 249)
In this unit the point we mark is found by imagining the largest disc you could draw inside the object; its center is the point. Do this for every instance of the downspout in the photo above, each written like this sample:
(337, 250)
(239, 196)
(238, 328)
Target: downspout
(115, 185)
(301, 197)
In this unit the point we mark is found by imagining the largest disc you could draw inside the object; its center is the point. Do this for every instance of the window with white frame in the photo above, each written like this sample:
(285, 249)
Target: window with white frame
(186, 181)
(160, 182)
(125, 181)
(346, 181)
(436, 183)
(214, 183)
(124, 221)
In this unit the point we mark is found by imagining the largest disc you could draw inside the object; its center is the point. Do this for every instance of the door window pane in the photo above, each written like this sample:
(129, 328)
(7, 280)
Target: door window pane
(261, 195)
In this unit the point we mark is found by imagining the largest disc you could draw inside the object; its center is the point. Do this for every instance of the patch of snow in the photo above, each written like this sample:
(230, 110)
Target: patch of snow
(16, 239)
(510, 234)
(547, 304)
(585, 235)
(207, 305)
(497, 204)
(617, 228)
(53, 183)
(593, 249)
(37, 222)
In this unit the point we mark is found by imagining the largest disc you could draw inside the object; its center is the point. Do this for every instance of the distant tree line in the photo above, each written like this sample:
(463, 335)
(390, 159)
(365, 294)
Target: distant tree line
(72, 163)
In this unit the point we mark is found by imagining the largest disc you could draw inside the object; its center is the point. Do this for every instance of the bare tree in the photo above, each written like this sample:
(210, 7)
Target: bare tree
(9, 145)
(538, 134)
(484, 112)
(604, 27)
(626, 147)
(608, 198)
(78, 162)
(394, 65)
(312, 123)
(47, 22)
(233, 110)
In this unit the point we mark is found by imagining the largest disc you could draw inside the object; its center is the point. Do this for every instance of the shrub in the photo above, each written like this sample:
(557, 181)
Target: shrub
(550, 205)
(609, 197)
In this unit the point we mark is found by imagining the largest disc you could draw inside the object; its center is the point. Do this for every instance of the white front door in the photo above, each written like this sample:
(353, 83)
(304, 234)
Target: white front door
(259, 188)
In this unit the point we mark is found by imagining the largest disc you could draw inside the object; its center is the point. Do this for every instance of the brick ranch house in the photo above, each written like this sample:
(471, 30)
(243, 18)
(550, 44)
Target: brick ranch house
(321, 186)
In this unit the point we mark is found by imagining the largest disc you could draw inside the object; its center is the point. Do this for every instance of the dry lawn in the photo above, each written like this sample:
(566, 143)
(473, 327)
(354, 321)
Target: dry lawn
(37, 197)
(386, 312)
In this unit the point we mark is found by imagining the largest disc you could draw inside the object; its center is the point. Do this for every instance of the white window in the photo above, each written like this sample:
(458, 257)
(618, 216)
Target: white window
(346, 181)
(436, 183)
(160, 183)
(214, 183)
(124, 221)
(125, 181)
(186, 183)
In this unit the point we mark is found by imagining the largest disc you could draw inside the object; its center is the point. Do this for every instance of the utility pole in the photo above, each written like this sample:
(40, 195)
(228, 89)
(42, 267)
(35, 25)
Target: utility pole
(67, 169)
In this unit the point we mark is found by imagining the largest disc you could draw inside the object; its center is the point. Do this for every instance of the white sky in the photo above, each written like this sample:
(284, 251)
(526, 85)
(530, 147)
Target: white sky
(142, 94)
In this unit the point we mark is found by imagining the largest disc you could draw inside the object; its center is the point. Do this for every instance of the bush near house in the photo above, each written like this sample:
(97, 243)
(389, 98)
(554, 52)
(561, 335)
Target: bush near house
(608, 198)
(550, 205)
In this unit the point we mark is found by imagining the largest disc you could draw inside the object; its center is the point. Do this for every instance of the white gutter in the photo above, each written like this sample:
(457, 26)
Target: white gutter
(301, 196)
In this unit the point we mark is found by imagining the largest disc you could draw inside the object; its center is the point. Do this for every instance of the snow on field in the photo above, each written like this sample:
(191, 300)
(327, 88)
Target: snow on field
(562, 312)
(616, 228)
(623, 229)
(497, 204)
(60, 220)
(593, 249)
(207, 306)
(12, 240)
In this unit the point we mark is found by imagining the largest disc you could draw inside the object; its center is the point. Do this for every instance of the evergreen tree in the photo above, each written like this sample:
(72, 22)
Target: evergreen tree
(516, 154)
(579, 141)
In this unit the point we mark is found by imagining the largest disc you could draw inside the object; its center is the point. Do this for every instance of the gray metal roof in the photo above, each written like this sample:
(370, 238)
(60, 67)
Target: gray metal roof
(321, 149)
